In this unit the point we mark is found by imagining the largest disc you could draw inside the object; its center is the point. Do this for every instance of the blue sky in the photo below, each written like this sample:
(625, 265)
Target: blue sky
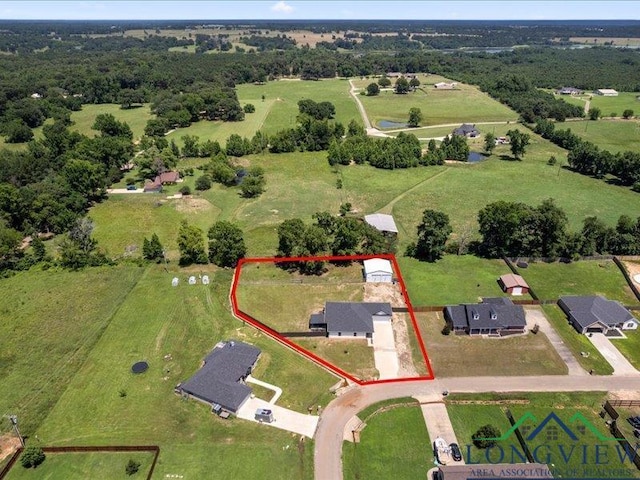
(343, 9)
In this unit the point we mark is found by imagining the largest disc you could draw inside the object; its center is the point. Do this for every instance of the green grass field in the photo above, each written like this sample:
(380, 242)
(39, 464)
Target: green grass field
(531, 354)
(613, 135)
(583, 350)
(88, 395)
(452, 279)
(467, 416)
(630, 346)
(617, 105)
(79, 466)
(589, 277)
(394, 444)
(466, 104)
(136, 118)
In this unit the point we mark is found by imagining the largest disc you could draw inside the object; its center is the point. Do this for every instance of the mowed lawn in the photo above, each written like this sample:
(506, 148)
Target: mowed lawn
(353, 356)
(50, 322)
(465, 104)
(451, 280)
(550, 281)
(174, 328)
(630, 346)
(80, 466)
(529, 354)
(583, 350)
(394, 444)
(613, 135)
(618, 104)
(282, 98)
(136, 118)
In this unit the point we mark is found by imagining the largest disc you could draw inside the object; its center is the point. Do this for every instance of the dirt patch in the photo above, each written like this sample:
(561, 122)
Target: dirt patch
(193, 205)
(8, 445)
(384, 292)
(633, 268)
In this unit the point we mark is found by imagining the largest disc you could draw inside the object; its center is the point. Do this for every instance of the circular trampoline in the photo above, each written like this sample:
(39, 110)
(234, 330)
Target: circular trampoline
(139, 367)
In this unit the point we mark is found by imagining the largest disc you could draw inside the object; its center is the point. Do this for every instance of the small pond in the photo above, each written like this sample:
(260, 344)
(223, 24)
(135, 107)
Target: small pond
(390, 124)
(475, 157)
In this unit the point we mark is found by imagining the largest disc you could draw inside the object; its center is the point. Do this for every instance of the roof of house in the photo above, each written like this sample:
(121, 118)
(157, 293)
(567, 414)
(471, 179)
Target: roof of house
(511, 280)
(499, 470)
(377, 265)
(570, 90)
(466, 129)
(218, 379)
(168, 177)
(492, 313)
(353, 317)
(152, 186)
(587, 310)
(382, 222)
(317, 320)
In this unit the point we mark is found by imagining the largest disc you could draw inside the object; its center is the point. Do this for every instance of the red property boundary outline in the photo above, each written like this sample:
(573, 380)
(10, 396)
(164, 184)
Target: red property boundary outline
(311, 356)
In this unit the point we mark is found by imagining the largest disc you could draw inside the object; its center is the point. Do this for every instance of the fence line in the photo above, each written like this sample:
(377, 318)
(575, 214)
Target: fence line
(77, 449)
(630, 282)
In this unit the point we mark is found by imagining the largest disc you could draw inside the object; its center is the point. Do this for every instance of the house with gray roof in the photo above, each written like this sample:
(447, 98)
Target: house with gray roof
(493, 316)
(350, 319)
(467, 130)
(220, 380)
(590, 314)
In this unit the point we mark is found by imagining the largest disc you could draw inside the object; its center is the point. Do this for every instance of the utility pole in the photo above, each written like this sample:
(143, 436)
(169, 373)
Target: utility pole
(14, 422)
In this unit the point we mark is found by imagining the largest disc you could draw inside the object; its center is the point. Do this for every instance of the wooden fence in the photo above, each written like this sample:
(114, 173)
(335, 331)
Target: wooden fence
(609, 407)
(77, 449)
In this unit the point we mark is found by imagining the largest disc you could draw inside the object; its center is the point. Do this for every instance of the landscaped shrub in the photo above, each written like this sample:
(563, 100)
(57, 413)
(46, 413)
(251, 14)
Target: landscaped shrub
(480, 438)
(185, 190)
(32, 457)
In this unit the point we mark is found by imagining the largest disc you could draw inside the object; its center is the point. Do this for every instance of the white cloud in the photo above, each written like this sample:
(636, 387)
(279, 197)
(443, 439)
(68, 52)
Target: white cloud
(282, 7)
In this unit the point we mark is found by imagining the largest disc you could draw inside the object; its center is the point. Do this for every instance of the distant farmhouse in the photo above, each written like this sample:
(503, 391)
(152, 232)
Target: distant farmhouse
(445, 85)
(607, 92)
(165, 178)
(467, 130)
(569, 91)
(350, 319)
(493, 316)
(590, 314)
(383, 223)
(220, 380)
(513, 284)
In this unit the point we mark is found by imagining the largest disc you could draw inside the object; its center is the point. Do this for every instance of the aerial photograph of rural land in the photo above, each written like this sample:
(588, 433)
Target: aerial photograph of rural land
(319, 240)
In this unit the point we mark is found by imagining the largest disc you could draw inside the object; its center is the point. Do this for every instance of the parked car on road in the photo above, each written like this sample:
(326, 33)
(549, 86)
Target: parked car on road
(455, 452)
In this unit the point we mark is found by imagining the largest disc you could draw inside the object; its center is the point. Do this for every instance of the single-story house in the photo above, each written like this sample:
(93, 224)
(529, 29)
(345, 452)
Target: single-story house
(152, 187)
(493, 316)
(494, 470)
(382, 222)
(378, 270)
(594, 313)
(220, 380)
(607, 92)
(445, 85)
(165, 178)
(513, 284)
(350, 319)
(569, 91)
(467, 130)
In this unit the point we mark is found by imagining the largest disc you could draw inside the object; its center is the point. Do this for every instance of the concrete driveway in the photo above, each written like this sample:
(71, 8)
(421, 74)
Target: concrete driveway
(611, 354)
(536, 316)
(436, 418)
(385, 354)
(285, 419)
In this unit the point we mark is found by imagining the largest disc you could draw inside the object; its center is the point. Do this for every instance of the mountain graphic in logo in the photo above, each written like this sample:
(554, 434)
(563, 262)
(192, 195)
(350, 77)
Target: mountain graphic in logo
(577, 419)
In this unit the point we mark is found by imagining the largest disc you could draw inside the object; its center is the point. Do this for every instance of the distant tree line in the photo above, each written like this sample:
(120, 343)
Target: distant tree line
(586, 158)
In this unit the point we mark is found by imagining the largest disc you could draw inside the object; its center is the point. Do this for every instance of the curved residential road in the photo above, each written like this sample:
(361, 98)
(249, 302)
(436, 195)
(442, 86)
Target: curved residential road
(329, 435)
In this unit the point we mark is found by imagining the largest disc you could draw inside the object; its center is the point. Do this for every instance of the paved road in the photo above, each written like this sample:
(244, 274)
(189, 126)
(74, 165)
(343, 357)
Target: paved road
(535, 316)
(328, 439)
(436, 418)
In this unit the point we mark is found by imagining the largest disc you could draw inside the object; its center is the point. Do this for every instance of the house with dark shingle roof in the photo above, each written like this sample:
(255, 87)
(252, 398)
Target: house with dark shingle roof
(590, 314)
(467, 130)
(220, 380)
(350, 319)
(493, 316)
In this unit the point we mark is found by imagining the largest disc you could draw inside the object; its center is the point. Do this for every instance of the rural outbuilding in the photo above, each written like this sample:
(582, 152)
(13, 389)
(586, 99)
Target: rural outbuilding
(513, 284)
(607, 92)
(382, 222)
(378, 270)
(591, 314)
(220, 380)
